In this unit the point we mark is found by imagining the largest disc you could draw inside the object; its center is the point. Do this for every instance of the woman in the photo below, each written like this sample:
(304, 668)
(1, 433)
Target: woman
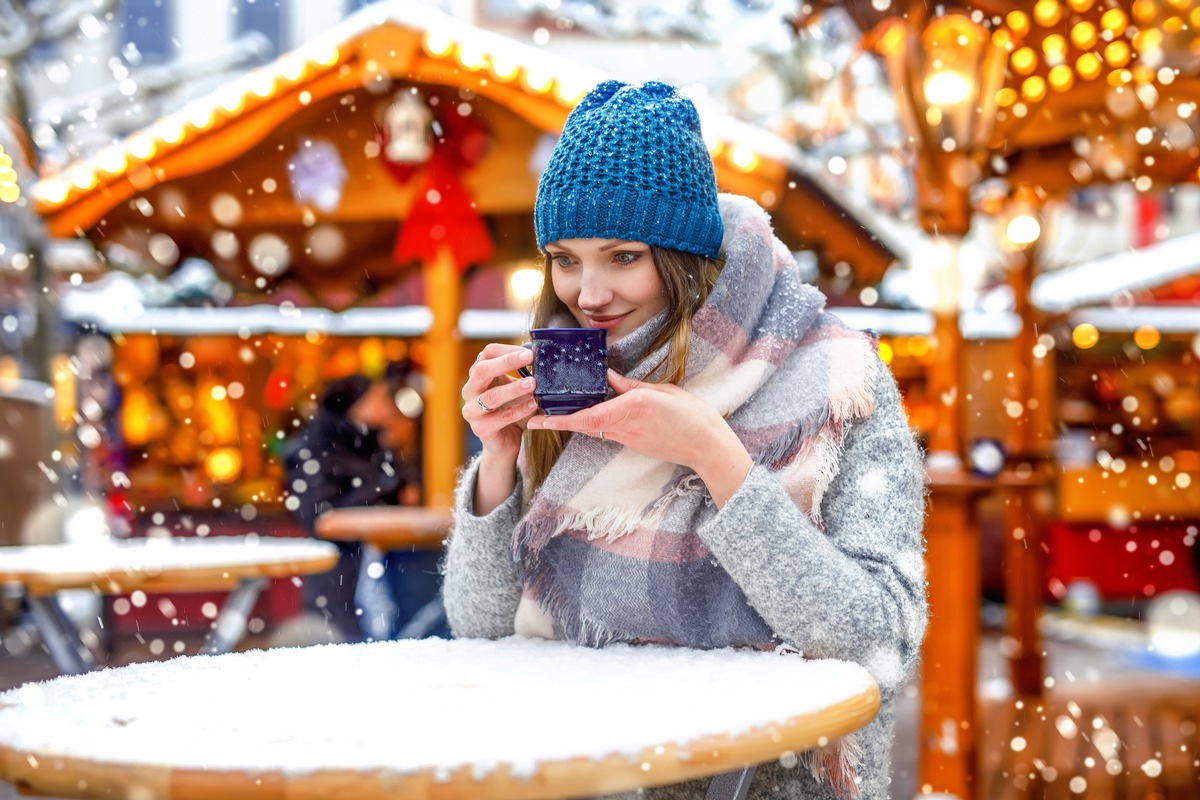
(751, 482)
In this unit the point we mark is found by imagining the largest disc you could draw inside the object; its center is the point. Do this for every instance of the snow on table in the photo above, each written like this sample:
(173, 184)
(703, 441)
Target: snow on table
(430, 705)
(81, 565)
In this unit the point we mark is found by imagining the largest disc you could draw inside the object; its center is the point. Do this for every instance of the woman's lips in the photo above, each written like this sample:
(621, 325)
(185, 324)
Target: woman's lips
(606, 322)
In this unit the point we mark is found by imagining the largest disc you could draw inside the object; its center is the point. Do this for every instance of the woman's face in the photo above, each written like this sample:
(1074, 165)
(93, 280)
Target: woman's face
(606, 283)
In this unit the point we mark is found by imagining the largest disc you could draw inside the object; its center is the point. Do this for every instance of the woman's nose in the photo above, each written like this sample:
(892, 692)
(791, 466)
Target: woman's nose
(594, 291)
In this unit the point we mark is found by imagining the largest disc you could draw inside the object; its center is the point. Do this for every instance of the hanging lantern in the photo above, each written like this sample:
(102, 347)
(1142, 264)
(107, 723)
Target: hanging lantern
(317, 174)
(408, 129)
(945, 73)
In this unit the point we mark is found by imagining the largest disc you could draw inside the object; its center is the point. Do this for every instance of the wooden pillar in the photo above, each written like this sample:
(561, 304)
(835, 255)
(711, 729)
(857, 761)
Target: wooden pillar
(946, 751)
(1027, 474)
(945, 440)
(945, 373)
(442, 444)
(948, 665)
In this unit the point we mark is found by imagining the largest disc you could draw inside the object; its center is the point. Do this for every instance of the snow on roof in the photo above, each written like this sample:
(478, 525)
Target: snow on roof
(974, 323)
(1099, 280)
(1166, 319)
(249, 320)
(462, 703)
(26, 390)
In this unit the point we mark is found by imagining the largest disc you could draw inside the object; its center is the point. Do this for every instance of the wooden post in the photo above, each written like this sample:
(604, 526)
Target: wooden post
(442, 444)
(945, 440)
(948, 665)
(946, 751)
(1024, 561)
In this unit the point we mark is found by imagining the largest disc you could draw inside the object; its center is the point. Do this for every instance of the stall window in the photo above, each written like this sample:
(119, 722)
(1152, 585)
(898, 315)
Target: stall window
(266, 17)
(146, 30)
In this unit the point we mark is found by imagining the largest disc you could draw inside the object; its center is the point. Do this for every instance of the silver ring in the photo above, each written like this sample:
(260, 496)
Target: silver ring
(601, 434)
(479, 402)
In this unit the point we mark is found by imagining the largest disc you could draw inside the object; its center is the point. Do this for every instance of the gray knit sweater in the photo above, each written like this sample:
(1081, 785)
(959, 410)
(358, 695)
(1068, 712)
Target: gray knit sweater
(854, 592)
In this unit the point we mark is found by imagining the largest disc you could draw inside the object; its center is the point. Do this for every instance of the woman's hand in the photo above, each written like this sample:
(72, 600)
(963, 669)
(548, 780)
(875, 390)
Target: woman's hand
(666, 422)
(495, 405)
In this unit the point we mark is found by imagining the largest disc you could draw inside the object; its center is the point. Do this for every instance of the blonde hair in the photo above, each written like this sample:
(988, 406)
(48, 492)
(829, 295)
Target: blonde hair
(687, 281)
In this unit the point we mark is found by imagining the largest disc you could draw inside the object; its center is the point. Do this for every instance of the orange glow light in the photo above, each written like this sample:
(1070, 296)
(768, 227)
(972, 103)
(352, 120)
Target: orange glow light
(1085, 335)
(1047, 13)
(1144, 11)
(1114, 20)
(1018, 21)
(1147, 337)
(1083, 35)
(1117, 53)
(1055, 48)
(1061, 78)
(1024, 60)
(1088, 66)
(1034, 88)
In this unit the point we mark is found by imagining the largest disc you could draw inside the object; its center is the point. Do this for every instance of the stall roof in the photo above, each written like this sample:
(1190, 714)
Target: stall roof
(1098, 281)
(420, 43)
(258, 319)
(1164, 319)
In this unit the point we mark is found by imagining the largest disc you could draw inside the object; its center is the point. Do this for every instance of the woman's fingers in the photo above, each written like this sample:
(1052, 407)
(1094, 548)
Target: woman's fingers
(607, 416)
(489, 373)
(496, 360)
(496, 397)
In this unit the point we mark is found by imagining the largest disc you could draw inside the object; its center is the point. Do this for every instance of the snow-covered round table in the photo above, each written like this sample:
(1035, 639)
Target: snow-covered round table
(514, 718)
(193, 564)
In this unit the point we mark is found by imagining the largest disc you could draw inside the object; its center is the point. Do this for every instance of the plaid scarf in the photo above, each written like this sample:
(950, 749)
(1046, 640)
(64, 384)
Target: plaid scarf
(609, 545)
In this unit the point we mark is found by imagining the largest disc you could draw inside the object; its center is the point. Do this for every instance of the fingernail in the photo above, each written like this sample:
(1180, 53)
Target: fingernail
(527, 355)
(527, 383)
(532, 404)
(612, 373)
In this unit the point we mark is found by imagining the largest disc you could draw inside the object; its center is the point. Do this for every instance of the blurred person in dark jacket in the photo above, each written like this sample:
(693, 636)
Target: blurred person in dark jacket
(359, 450)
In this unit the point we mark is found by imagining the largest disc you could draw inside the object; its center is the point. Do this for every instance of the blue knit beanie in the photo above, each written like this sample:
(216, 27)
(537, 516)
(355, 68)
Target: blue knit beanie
(631, 164)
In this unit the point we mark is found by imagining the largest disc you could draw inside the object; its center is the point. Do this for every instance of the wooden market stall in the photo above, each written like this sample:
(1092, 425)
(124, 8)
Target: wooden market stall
(1128, 400)
(1040, 99)
(389, 167)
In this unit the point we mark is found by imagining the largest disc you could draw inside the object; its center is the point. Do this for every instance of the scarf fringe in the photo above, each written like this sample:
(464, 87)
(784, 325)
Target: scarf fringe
(836, 764)
(826, 451)
(564, 608)
(608, 522)
(856, 400)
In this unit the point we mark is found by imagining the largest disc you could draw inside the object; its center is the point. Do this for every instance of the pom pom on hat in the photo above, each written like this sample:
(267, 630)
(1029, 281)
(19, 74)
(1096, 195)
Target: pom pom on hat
(631, 164)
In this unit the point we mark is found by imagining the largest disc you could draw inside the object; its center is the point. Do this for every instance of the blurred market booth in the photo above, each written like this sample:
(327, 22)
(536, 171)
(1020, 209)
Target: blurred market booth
(364, 200)
(1011, 113)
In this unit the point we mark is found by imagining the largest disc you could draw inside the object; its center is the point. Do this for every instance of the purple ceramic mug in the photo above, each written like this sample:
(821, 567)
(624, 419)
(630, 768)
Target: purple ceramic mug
(570, 366)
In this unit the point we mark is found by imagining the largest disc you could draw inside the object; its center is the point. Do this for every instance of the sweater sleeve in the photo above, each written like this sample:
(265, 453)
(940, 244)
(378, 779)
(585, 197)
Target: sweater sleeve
(855, 591)
(479, 589)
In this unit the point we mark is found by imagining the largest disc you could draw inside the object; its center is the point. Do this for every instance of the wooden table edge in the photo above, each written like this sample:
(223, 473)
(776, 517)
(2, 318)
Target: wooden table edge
(48, 774)
(426, 530)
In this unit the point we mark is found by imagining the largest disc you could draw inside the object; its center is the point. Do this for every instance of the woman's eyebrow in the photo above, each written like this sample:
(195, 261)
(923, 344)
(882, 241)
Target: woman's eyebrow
(615, 243)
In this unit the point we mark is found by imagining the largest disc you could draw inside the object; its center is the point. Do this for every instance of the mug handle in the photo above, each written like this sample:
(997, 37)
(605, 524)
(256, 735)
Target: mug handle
(526, 372)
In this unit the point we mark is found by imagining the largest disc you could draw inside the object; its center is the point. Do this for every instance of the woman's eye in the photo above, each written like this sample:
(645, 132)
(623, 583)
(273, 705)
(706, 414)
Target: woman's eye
(561, 261)
(626, 257)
